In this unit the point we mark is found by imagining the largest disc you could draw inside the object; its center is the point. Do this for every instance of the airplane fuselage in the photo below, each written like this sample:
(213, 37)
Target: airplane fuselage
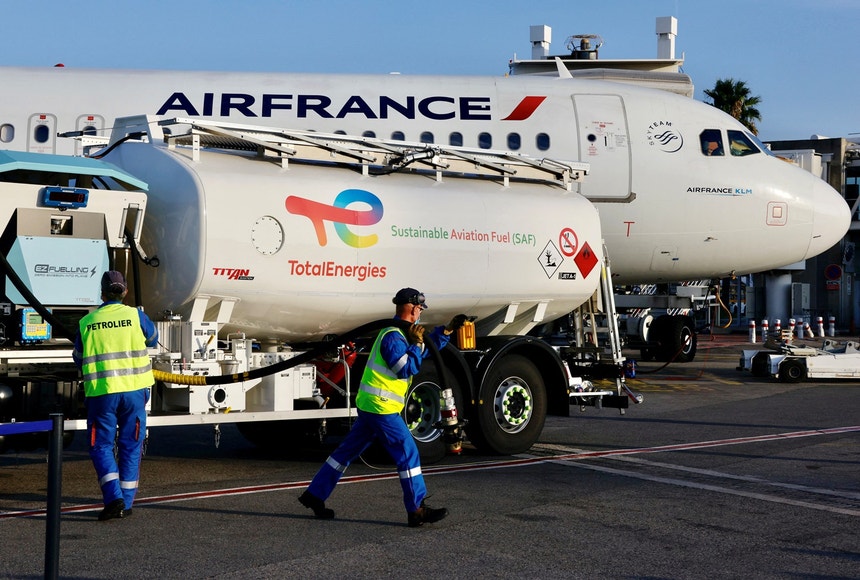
(683, 191)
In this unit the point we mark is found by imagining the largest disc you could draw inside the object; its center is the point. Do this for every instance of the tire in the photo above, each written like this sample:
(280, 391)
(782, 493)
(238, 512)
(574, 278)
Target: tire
(792, 370)
(512, 407)
(423, 409)
(677, 339)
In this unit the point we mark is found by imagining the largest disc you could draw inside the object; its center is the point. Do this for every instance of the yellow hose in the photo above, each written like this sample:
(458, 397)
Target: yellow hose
(194, 380)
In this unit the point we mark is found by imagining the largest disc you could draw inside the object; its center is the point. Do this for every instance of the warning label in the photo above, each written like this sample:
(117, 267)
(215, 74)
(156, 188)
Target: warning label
(550, 259)
(585, 260)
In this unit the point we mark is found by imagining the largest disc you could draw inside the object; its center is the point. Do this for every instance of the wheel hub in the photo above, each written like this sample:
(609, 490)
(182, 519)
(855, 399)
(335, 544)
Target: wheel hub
(423, 409)
(513, 406)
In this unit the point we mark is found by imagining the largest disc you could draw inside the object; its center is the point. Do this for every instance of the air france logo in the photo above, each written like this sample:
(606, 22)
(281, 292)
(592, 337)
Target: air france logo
(662, 135)
(525, 108)
(339, 214)
(310, 106)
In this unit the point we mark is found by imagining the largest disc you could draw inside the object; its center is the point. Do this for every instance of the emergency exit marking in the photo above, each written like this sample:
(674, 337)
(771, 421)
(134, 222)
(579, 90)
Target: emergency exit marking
(568, 242)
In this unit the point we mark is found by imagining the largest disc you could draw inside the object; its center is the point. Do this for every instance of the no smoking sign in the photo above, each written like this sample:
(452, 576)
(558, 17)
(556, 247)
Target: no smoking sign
(568, 243)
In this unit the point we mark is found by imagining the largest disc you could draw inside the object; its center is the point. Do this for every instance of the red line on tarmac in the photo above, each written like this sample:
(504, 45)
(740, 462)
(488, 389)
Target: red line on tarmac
(450, 469)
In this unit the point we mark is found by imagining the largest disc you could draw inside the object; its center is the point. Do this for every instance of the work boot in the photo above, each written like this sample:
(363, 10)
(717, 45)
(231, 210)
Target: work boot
(313, 502)
(113, 510)
(426, 515)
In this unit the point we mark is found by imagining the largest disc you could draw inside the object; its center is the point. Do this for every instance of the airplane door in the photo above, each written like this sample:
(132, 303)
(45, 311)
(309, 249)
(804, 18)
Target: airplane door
(42, 133)
(605, 144)
(88, 125)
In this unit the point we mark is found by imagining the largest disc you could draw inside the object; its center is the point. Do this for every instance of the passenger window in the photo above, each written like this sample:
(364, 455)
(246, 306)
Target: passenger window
(542, 141)
(455, 139)
(41, 134)
(7, 133)
(712, 142)
(740, 144)
(369, 134)
(514, 141)
(398, 136)
(426, 137)
(340, 132)
(485, 140)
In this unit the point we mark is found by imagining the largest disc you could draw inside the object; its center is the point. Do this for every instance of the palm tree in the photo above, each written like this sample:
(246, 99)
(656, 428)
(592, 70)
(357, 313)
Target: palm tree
(734, 98)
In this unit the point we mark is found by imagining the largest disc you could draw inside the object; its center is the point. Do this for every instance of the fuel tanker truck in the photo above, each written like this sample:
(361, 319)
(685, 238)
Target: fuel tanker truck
(269, 259)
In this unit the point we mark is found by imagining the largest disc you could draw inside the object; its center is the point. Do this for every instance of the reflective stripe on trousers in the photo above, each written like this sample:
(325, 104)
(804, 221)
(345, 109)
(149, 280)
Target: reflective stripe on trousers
(391, 431)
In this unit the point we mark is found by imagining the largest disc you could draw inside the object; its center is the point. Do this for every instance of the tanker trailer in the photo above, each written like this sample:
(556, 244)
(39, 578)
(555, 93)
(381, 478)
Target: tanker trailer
(290, 237)
(275, 244)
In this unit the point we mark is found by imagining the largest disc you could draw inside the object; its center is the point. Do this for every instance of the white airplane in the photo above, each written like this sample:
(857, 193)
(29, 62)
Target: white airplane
(684, 191)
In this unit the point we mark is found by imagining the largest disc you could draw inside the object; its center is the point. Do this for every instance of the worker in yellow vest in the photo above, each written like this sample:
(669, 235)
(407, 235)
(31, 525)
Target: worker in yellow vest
(393, 360)
(111, 351)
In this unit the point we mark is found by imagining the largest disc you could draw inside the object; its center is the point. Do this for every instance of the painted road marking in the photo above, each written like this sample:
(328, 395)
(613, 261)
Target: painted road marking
(716, 488)
(562, 456)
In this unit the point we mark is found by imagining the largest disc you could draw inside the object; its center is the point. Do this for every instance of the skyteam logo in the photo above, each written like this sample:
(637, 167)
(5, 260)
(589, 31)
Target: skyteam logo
(339, 214)
(665, 137)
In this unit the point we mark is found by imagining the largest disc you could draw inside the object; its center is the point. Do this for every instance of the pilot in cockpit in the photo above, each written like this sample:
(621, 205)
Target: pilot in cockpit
(712, 148)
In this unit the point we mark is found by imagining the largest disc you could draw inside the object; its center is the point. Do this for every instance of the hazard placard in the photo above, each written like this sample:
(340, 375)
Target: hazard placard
(550, 259)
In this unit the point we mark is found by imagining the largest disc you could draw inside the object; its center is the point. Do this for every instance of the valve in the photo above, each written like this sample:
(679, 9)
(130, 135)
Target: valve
(450, 423)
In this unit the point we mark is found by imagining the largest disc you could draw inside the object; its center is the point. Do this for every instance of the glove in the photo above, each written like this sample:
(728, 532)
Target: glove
(415, 334)
(456, 322)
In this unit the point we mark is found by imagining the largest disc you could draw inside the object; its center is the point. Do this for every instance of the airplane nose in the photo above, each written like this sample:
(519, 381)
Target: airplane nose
(831, 218)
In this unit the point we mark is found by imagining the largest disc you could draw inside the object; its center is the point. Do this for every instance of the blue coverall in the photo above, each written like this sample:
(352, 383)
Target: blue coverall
(389, 429)
(121, 413)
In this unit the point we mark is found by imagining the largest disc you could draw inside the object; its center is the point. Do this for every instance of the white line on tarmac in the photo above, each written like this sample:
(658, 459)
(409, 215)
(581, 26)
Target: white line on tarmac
(565, 458)
(714, 488)
(746, 478)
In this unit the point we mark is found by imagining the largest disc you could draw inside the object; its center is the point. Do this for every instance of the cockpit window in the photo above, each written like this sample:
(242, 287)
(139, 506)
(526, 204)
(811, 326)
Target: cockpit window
(740, 144)
(761, 146)
(712, 142)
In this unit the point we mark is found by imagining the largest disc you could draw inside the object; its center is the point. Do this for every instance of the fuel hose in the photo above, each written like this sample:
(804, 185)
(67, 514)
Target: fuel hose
(302, 358)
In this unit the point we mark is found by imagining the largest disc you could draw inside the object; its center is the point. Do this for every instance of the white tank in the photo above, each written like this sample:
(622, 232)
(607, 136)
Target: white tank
(311, 250)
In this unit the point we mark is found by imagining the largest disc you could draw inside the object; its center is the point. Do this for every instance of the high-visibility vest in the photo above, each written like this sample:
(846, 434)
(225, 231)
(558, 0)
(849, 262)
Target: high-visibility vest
(114, 358)
(381, 391)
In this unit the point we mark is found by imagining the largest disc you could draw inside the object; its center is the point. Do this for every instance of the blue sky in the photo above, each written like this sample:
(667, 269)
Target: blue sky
(797, 55)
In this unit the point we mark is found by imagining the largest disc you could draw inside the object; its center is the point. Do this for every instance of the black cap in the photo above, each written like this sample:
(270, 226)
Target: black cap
(113, 282)
(409, 296)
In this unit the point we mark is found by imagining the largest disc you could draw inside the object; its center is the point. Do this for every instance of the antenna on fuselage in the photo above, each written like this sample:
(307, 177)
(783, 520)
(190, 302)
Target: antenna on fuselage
(563, 73)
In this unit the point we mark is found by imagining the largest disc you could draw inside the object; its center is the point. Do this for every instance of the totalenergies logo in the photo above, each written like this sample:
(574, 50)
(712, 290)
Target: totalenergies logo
(340, 216)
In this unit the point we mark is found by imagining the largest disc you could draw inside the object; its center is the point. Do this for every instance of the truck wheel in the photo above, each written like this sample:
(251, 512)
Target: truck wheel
(792, 371)
(423, 409)
(677, 338)
(512, 407)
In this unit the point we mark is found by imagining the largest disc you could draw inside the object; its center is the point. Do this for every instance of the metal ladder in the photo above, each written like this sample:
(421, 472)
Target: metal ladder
(597, 336)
